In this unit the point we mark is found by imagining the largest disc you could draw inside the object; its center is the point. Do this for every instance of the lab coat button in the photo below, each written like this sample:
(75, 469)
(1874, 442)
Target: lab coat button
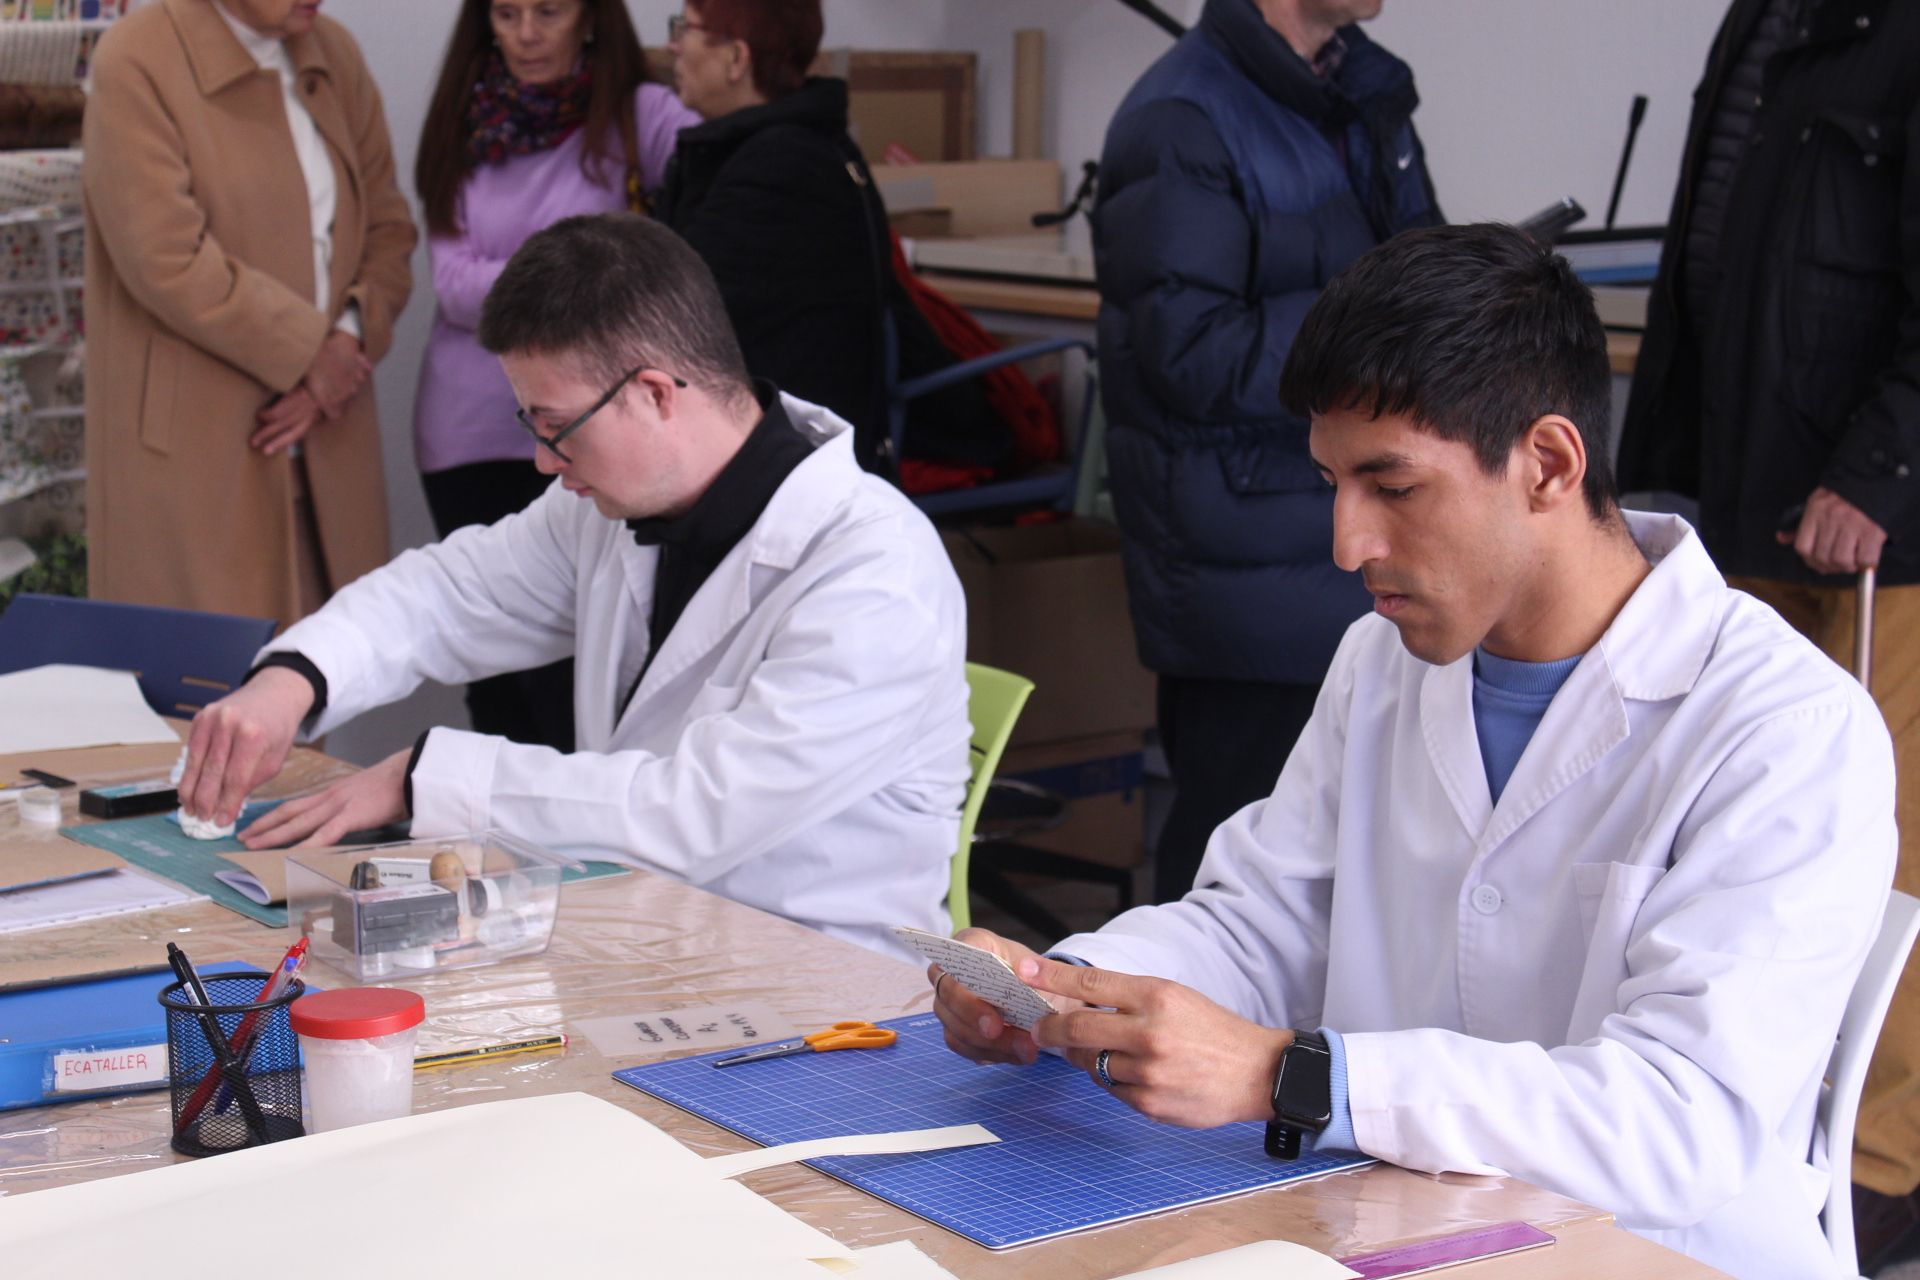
(1486, 899)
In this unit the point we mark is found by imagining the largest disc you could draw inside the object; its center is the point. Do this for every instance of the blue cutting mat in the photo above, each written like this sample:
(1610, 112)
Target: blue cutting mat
(154, 842)
(1070, 1155)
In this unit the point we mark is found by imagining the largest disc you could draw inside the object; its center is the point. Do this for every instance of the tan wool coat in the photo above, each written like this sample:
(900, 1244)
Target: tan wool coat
(199, 310)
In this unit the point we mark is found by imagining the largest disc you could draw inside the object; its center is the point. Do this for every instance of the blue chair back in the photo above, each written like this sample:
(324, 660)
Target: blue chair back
(183, 659)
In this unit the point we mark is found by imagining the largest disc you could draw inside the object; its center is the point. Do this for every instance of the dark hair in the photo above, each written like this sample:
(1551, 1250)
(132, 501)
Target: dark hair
(1474, 332)
(784, 36)
(612, 291)
(618, 68)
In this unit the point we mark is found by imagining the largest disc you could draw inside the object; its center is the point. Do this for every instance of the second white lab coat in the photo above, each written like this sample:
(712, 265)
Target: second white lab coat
(799, 744)
(1621, 982)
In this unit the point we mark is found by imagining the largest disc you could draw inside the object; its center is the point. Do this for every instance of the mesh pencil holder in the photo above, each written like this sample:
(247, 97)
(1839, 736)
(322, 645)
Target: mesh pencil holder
(219, 1102)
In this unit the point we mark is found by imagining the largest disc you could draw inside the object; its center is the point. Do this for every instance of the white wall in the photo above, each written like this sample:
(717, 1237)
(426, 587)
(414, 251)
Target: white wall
(1525, 101)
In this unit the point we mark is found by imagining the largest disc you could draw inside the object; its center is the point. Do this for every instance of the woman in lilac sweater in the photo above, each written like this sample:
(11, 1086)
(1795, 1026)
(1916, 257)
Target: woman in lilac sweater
(540, 113)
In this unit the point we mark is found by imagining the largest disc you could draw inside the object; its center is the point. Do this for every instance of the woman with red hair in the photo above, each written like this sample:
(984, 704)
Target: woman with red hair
(773, 193)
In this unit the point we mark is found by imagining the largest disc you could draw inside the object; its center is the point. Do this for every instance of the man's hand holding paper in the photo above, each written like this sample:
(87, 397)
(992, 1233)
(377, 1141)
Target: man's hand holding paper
(1170, 1053)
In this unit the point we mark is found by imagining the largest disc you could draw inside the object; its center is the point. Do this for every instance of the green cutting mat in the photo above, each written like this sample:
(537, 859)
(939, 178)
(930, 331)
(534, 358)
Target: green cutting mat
(154, 843)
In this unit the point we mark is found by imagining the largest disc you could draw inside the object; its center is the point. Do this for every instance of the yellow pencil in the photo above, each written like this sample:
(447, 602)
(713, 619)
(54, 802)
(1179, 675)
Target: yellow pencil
(456, 1056)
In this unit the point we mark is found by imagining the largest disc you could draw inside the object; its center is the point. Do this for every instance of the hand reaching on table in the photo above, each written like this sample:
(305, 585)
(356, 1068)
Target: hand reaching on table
(242, 741)
(371, 798)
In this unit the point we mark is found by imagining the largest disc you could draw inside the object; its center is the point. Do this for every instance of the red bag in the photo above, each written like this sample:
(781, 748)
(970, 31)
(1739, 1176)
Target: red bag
(1036, 428)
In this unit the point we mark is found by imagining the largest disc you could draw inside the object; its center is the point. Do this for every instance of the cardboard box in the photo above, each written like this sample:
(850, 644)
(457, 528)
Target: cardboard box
(1102, 780)
(985, 197)
(1048, 602)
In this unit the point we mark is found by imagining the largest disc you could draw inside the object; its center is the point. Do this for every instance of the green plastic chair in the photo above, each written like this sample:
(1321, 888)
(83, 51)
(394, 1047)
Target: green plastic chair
(994, 701)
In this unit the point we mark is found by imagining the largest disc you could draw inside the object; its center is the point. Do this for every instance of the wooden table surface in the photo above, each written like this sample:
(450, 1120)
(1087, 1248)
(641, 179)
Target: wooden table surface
(639, 943)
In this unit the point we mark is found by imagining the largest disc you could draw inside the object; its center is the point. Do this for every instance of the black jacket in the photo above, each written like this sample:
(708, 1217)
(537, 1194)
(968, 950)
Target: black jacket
(779, 201)
(1807, 371)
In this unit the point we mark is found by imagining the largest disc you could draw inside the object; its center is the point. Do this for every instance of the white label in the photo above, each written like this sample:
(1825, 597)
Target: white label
(716, 1026)
(109, 1068)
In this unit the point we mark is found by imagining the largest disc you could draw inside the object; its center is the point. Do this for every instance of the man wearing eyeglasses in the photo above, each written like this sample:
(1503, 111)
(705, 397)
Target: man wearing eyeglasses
(770, 694)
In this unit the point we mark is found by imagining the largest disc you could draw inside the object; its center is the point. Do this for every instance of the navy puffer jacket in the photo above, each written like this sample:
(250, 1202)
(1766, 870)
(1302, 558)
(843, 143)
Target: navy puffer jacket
(1235, 184)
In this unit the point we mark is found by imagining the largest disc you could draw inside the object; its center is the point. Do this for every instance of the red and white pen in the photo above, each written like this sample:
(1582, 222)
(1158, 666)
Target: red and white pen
(245, 1034)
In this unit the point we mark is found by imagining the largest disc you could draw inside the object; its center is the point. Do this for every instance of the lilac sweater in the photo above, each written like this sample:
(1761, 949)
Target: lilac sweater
(464, 409)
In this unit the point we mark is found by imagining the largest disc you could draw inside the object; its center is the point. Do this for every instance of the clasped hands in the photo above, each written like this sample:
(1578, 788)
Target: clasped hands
(243, 740)
(1173, 1055)
(330, 382)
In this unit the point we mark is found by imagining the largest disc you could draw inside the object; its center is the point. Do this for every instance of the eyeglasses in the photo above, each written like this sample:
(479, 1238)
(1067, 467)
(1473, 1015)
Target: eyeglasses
(677, 26)
(552, 442)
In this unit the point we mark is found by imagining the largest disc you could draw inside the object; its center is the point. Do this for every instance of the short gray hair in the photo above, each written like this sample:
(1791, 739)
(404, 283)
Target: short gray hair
(610, 292)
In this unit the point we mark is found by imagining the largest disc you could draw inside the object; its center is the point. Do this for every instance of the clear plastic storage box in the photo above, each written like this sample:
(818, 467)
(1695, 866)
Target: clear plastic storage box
(418, 905)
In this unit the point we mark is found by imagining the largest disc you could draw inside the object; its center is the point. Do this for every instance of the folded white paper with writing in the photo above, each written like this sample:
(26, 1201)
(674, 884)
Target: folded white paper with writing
(983, 973)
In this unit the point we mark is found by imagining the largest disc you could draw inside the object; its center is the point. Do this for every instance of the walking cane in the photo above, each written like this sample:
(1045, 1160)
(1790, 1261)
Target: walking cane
(1863, 630)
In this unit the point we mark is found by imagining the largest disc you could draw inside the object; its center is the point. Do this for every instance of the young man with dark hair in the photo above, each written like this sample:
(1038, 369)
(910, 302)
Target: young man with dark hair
(1573, 868)
(770, 691)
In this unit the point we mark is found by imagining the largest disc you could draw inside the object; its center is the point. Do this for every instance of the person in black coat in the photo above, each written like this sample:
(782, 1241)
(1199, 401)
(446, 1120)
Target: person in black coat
(1779, 383)
(774, 194)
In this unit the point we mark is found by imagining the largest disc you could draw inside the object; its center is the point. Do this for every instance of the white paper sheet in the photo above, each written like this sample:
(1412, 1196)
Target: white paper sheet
(736, 1163)
(110, 893)
(900, 1260)
(60, 707)
(559, 1185)
(1261, 1260)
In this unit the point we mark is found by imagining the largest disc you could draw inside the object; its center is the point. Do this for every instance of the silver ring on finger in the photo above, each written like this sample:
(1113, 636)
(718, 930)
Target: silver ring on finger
(944, 975)
(1100, 1067)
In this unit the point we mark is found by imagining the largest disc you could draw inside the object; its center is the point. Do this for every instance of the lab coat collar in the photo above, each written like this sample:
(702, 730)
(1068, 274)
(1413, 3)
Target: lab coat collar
(815, 489)
(1660, 642)
(793, 518)
(1655, 649)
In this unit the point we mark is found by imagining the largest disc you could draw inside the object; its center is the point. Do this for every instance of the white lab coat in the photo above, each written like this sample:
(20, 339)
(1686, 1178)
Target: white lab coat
(1623, 981)
(799, 745)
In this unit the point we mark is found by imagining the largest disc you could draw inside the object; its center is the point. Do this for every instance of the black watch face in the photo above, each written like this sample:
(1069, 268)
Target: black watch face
(1303, 1090)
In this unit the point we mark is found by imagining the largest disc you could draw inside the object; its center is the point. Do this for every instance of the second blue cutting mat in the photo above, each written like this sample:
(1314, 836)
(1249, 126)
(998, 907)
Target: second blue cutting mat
(1070, 1156)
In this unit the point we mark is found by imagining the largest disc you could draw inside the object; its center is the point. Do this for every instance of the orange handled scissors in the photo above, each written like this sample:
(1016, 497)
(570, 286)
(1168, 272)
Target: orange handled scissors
(841, 1035)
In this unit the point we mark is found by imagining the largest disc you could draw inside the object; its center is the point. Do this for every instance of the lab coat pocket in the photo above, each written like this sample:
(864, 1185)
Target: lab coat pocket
(1609, 895)
(164, 357)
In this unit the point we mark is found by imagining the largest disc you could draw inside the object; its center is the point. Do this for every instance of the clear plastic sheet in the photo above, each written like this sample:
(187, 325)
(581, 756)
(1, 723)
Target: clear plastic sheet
(642, 943)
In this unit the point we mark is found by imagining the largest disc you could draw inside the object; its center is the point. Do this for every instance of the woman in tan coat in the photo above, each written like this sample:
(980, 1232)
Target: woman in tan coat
(233, 452)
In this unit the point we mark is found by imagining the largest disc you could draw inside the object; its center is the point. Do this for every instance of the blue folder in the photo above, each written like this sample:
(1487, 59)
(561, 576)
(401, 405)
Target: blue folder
(56, 1039)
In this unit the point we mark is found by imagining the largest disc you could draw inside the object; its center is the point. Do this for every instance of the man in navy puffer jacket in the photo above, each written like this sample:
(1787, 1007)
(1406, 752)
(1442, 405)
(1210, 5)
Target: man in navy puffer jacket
(1269, 148)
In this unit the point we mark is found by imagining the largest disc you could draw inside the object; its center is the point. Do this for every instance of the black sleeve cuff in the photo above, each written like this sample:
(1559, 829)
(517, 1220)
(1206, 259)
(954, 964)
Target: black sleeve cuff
(413, 762)
(300, 664)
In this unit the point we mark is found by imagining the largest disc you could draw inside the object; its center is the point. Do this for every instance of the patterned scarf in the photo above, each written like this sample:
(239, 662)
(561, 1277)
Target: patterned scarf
(506, 118)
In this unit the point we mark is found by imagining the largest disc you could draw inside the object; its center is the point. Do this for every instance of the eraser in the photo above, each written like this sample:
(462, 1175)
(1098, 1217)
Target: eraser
(129, 800)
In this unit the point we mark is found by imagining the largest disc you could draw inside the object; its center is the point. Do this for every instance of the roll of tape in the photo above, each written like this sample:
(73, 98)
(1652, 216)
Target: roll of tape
(40, 807)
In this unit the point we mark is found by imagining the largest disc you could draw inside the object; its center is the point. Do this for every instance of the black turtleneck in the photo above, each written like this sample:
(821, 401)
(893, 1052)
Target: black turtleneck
(693, 543)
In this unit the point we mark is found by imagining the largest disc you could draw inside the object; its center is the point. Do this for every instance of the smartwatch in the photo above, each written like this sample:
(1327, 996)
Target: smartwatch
(1302, 1094)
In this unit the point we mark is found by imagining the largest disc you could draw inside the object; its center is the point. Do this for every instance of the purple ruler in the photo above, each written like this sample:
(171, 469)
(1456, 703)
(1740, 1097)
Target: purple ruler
(1446, 1251)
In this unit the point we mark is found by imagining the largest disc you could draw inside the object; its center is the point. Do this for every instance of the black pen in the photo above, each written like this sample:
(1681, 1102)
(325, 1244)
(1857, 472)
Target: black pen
(230, 1066)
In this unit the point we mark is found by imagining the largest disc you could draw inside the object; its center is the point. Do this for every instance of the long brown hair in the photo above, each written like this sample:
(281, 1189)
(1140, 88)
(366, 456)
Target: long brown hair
(443, 162)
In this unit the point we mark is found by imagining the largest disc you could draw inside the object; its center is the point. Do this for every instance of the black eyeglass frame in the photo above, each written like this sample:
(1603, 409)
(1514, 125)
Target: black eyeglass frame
(552, 442)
